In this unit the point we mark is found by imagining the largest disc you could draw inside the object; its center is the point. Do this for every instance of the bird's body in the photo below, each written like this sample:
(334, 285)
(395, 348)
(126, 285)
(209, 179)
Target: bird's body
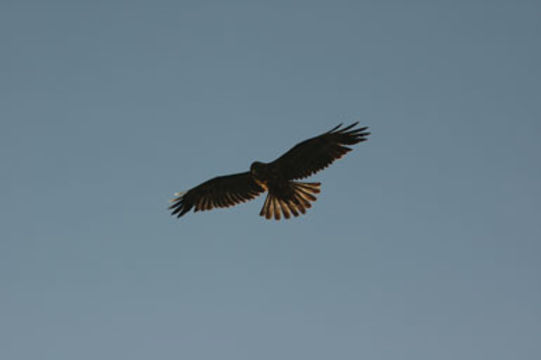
(285, 196)
(289, 196)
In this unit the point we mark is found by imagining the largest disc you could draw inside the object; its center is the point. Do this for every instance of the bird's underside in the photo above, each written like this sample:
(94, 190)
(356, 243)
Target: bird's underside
(285, 196)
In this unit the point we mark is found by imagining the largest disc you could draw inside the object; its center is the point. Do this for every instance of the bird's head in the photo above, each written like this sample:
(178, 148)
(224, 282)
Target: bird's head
(257, 169)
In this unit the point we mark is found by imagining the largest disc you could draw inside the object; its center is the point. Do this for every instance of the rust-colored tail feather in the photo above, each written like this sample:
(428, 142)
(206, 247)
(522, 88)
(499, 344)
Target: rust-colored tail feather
(303, 193)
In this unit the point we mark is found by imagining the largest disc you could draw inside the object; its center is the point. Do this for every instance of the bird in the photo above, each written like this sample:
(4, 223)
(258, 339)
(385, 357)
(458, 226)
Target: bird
(285, 196)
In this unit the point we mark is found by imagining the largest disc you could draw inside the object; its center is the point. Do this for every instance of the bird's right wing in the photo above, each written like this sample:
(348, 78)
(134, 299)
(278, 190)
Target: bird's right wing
(221, 191)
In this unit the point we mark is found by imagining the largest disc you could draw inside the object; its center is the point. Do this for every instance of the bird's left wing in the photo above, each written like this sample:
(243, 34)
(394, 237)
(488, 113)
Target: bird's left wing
(315, 154)
(221, 191)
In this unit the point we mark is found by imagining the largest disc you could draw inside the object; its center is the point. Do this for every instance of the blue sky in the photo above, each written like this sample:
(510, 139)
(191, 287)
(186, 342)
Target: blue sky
(425, 240)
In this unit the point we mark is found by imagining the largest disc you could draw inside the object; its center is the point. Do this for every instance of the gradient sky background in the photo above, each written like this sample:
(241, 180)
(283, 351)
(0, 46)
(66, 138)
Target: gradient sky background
(424, 244)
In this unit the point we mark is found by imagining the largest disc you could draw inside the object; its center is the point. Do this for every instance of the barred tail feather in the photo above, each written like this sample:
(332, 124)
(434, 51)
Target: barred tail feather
(298, 202)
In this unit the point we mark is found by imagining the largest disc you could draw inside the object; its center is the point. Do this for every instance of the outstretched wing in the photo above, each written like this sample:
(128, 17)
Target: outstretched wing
(221, 191)
(315, 154)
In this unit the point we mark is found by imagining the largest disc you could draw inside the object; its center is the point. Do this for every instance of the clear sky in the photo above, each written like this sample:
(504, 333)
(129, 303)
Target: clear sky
(425, 242)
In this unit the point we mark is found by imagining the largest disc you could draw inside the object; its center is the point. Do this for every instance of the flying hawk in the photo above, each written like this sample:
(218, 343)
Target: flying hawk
(285, 196)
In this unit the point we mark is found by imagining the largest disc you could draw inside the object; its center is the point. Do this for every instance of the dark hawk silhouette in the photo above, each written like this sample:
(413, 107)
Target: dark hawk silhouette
(285, 196)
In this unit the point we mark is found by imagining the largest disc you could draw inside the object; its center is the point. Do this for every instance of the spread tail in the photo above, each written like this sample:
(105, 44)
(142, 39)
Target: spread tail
(298, 201)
